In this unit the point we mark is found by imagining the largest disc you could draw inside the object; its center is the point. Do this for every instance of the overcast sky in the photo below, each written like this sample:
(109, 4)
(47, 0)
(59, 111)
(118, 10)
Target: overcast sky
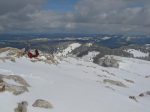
(77, 16)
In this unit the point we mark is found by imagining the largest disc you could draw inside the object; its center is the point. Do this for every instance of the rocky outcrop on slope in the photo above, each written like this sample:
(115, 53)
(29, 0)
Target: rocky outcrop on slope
(16, 90)
(12, 54)
(12, 51)
(141, 95)
(108, 61)
(17, 79)
(22, 107)
(20, 87)
(2, 85)
(113, 82)
(42, 104)
(133, 98)
(147, 76)
(147, 93)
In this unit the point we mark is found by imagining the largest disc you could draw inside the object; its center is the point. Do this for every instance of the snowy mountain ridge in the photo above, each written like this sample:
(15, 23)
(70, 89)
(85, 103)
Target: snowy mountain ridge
(73, 84)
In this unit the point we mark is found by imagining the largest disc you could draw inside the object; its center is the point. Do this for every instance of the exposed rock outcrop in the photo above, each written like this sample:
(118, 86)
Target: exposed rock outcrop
(130, 81)
(15, 89)
(42, 104)
(147, 93)
(2, 85)
(12, 54)
(144, 94)
(108, 61)
(22, 107)
(148, 76)
(133, 98)
(17, 79)
(113, 82)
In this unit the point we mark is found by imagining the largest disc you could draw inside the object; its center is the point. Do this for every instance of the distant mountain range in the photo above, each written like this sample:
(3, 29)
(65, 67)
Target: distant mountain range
(111, 41)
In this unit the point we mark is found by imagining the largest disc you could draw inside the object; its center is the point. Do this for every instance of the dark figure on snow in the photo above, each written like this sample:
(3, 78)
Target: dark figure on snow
(30, 55)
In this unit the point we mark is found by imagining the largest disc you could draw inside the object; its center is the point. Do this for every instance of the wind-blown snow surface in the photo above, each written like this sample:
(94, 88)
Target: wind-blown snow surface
(75, 85)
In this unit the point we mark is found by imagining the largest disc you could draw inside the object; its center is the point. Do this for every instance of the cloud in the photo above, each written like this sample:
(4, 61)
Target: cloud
(122, 16)
(15, 15)
(7, 6)
(88, 16)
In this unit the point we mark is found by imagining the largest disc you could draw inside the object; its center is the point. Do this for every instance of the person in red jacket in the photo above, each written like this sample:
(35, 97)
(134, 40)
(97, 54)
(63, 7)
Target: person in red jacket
(30, 55)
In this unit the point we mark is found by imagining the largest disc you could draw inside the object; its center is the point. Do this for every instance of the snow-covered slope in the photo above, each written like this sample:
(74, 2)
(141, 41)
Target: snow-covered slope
(69, 49)
(75, 85)
(90, 56)
(137, 53)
